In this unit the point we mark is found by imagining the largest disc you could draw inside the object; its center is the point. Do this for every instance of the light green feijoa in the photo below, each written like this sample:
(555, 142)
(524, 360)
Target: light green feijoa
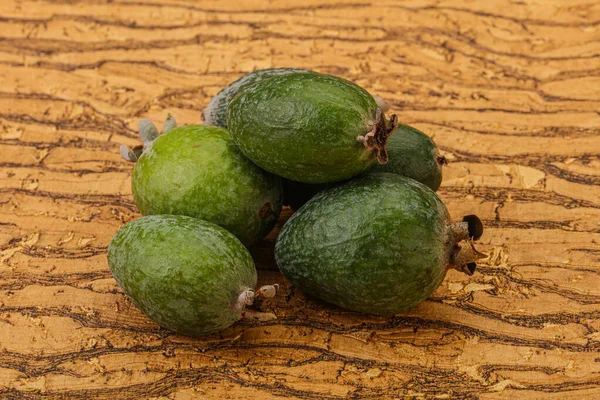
(198, 171)
(186, 274)
(311, 128)
(216, 111)
(378, 244)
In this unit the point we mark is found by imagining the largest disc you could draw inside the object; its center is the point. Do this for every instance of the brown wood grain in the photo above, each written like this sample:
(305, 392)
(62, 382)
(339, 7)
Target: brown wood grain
(510, 91)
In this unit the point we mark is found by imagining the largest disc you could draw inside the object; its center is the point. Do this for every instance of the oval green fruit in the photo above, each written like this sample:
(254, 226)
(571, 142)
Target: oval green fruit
(216, 111)
(311, 128)
(413, 154)
(198, 171)
(186, 274)
(378, 244)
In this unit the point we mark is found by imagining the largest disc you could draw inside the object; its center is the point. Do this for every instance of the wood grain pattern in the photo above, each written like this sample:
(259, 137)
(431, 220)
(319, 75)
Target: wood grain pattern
(509, 91)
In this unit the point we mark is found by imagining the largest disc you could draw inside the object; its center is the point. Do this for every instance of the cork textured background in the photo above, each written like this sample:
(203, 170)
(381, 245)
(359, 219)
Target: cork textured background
(510, 91)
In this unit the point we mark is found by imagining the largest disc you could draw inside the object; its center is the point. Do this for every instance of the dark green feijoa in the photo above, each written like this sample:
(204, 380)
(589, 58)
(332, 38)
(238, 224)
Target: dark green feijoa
(216, 111)
(198, 171)
(186, 274)
(378, 244)
(413, 154)
(311, 128)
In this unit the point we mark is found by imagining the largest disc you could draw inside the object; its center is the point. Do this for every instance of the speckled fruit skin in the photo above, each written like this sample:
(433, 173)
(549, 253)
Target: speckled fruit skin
(184, 273)
(198, 171)
(216, 111)
(304, 127)
(413, 154)
(378, 244)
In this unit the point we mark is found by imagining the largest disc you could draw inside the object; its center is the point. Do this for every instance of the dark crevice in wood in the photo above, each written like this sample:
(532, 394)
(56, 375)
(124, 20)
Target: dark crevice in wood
(97, 200)
(497, 194)
(566, 225)
(340, 6)
(542, 162)
(33, 46)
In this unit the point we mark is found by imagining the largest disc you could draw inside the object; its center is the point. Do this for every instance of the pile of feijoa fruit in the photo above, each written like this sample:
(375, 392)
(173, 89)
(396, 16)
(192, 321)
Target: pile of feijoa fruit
(369, 233)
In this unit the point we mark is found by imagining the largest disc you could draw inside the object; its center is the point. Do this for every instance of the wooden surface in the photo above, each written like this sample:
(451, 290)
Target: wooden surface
(509, 90)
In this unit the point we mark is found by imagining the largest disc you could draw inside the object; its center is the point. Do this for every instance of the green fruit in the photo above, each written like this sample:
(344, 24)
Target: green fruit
(216, 111)
(378, 244)
(413, 154)
(188, 275)
(310, 128)
(198, 171)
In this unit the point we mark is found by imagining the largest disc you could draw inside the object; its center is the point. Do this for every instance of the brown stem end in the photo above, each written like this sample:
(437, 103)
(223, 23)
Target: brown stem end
(464, 257)
(376, 139)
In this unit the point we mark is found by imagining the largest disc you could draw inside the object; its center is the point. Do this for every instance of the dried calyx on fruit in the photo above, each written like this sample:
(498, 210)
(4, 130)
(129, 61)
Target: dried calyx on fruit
(148, 134)
(198, 171)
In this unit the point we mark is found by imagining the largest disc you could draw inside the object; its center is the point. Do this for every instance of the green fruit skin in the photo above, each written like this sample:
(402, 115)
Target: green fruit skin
(198, 171)
(411, 153)
(304, 127)
(216, 112)
(378, 244)
(186, 274)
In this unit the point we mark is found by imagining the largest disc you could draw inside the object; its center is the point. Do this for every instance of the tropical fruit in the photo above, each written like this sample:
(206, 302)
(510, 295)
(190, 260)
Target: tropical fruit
(378, 244)
(198, 171)
(216, 111)
(310, 127)
(188, 275)
(411, 153)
